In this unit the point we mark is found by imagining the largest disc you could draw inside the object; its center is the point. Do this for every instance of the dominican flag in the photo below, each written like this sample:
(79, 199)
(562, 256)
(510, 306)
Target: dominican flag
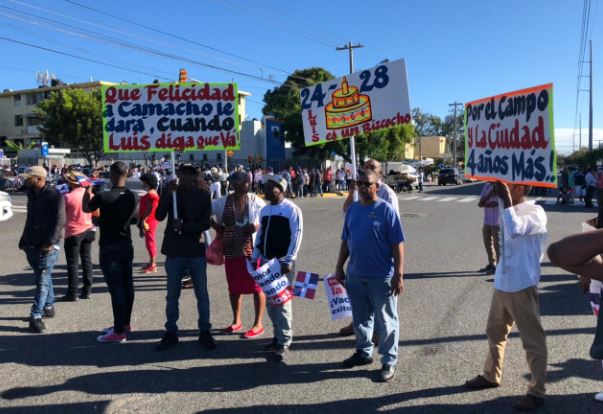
(83, 181)
(62, 188)
(305, 285)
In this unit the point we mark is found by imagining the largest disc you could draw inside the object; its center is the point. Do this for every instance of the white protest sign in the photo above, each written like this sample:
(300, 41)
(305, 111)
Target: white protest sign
(510, 137)
(275, 285)
(363, 102)
(339, 303)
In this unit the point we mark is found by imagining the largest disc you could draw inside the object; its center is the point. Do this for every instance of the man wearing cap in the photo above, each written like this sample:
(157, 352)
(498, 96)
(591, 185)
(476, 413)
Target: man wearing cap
(40, 241)
(79, 235)
(279, 236)
(184, 249)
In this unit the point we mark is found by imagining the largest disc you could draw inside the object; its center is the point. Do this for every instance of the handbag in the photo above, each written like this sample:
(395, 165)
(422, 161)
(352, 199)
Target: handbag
(215, 252)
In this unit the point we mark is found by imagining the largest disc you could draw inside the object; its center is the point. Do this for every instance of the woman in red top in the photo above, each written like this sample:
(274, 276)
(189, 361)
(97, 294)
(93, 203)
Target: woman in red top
(147, 222)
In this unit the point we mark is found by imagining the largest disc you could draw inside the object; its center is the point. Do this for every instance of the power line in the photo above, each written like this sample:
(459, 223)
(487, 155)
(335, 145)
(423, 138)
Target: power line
(175, 36)
(50, 40)
(80, 57)
(236, 6)
(121, 32)
(107, 39)
(314, 29)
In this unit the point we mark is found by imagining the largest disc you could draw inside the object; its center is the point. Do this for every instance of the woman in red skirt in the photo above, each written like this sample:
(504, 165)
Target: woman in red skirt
(236, 219)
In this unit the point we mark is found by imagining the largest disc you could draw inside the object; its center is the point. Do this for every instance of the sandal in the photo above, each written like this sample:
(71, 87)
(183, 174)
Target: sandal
(150, 269)
(252, 333)
(232, 328)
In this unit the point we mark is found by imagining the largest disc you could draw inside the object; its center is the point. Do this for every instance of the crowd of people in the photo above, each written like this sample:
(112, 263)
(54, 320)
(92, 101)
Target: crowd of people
(253, 230)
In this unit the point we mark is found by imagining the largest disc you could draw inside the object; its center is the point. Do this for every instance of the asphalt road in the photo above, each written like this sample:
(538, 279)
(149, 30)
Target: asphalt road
(442, 343)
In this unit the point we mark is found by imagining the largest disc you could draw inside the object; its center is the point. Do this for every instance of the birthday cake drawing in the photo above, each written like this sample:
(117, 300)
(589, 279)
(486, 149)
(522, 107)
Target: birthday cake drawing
(347, 107)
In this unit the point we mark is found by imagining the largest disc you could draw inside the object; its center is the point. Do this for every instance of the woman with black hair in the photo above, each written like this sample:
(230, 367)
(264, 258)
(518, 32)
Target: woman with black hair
(147, 222)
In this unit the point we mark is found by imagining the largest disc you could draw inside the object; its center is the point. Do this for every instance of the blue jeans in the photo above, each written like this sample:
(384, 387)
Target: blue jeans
(372, 296)
(42, 264)
(116, 264)
(175, 267)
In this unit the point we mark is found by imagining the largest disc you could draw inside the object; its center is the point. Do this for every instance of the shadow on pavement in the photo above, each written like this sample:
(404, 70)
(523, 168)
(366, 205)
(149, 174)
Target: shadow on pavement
(563, 299)
(77, 408)
(575, 403)
(221, 378)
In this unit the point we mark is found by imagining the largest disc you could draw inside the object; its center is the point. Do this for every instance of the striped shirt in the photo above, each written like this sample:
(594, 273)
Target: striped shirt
(490, 213)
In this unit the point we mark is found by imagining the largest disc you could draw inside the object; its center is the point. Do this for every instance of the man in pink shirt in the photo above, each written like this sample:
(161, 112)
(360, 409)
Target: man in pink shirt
(79, 235)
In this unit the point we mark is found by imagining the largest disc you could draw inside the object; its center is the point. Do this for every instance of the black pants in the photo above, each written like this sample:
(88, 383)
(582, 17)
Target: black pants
(588, 200)
(76, 247)
(116, 263)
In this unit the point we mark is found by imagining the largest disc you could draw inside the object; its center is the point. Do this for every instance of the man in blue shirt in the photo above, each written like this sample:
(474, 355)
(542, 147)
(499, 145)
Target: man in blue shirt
(372, 239)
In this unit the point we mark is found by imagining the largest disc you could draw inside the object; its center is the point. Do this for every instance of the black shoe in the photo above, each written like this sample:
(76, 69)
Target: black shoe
(36, 325)
(387, 373)
(271, 346)
(67, 298)
(169, 340)
(487, 269)
(281, 352)
(206, 340)
(49, 312)
(84, 295)
(356, 360)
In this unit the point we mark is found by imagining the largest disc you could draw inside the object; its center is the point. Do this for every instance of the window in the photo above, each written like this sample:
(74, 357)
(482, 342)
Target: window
(35, 98)
(34, 121)
(205, 157)
(17, 100)
(191, 157)
(219, 156)
(18, 120)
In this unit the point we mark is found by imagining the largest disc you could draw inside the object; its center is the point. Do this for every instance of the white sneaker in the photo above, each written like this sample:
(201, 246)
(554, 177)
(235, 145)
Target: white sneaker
(599, 397)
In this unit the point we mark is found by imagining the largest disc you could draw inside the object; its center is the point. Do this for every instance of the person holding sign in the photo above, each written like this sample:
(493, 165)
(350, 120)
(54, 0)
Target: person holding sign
(279, 236)
(515, 298)
(373, 240)
(184, 250)
(235, 217)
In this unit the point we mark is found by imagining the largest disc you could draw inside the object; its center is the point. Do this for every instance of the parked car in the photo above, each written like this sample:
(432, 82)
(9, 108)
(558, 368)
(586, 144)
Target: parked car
(449, 176)
(401, 177)
(6, 206)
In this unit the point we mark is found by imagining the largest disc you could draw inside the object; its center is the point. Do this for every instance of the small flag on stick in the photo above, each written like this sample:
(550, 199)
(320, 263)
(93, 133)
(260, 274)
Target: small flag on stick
(305, 285)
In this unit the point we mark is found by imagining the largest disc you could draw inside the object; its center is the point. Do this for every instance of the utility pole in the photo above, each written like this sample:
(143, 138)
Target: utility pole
(590, 98)
(580, 131)
(350, 48)
(454, 106)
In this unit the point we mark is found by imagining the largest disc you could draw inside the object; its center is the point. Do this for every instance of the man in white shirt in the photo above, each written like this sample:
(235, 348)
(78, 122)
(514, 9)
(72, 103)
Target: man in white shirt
(385, 192)
(515, 298)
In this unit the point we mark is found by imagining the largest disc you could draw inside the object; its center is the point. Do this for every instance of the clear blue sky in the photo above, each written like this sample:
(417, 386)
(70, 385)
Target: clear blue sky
(461, 50)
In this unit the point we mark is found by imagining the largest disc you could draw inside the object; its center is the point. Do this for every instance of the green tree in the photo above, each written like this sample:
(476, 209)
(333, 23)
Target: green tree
(72, 118)
(385, 145)
(283, 102)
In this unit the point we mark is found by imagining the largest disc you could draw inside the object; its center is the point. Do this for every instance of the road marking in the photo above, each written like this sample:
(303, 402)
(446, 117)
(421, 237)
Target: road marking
(429, 198)
(411, 198)
(448, 199)
(468, 199)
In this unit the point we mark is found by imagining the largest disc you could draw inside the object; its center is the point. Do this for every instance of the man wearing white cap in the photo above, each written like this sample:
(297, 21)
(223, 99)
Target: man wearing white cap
(280, 237)
(40, 241)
